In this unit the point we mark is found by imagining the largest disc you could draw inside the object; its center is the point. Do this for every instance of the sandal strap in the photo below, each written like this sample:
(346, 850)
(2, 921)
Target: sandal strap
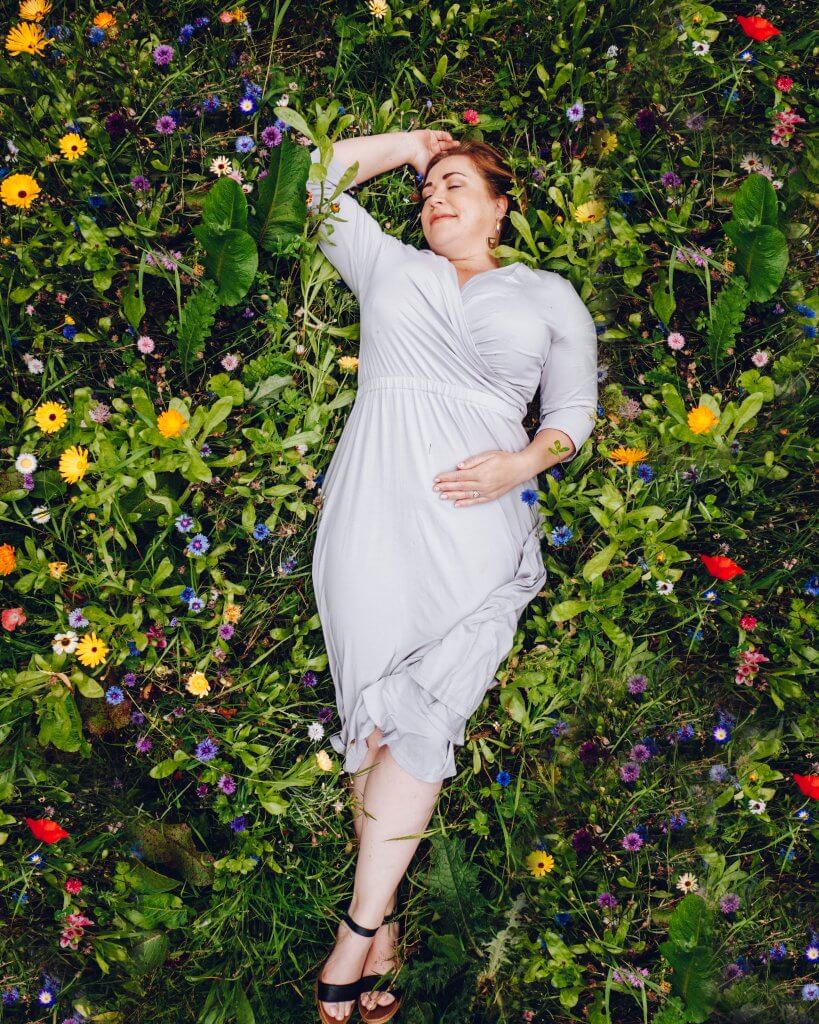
(328, 992)
(367, 932)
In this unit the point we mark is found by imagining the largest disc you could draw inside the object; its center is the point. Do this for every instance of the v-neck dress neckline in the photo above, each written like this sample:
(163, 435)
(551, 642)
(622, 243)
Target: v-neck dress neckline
(483, 273)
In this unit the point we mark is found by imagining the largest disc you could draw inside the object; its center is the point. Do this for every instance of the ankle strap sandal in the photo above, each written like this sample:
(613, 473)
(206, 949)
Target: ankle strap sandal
(329, 992)
(370, 983)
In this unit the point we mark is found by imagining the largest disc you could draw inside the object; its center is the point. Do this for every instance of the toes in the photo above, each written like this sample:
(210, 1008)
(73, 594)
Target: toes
(385, 998)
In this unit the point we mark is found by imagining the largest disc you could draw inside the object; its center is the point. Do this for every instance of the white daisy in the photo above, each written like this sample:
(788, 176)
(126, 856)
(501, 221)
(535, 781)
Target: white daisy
(65, 643)
(33, 364)
(688, 883)
(315, 730)
(664, 586)
(700, 47)
(41, 515)
(221, 165)
(751, 162)
(757, 806)
(26, 462)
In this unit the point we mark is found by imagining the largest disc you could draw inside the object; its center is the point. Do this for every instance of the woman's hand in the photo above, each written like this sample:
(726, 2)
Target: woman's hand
(426, 143)
(491, 473)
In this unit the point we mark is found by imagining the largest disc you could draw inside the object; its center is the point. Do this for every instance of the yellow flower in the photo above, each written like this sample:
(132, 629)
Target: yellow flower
(34, 10)
(69, 320)
(104, 19)
(378, 8)
(171, 423)
(325, 762)
(56, 569)
(91, 650)
(728, 266)
(197, 684)
(603, 142)
(25, 38)
(19, 190)
(348, 364)
(5, 240)
(73, 464)
(51, 417)
(238, 14)
(588, 213)
(232, 612)
(540, 863)
(8, 559)
(701, 419)
(73, 145)
(627, 456)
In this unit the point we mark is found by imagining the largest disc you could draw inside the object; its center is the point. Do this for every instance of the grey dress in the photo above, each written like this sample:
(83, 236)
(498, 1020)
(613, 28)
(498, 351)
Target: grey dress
(419, 601)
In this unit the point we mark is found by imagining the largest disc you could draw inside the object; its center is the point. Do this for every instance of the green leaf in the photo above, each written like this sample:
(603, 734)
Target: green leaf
(132, 304)
(755, 202)
(727, 315)
(281, 210)
(749, 408)
(567, 610)
(762, 257)
(196, 322)
(163, 769)
(674, 403)
(598, 563)
(231, 259)
(225, 206)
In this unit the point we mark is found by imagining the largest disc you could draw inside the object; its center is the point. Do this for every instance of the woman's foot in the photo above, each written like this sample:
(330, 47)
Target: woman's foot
(380, 960)
(345, 964)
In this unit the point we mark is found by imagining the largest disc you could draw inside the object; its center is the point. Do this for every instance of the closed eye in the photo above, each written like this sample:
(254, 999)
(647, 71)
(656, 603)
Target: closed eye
(450, 186)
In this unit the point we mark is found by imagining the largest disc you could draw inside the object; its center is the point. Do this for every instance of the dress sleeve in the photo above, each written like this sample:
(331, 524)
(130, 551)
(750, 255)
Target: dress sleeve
(568, 380)
(355, 243)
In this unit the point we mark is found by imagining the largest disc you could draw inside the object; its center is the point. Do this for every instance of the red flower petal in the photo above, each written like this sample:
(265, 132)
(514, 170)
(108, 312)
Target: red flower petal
(759, 29)
(46, 830)
(721, 566)
(809, 784)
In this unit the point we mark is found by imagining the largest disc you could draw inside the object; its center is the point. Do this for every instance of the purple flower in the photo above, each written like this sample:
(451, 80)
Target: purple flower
(206, 750)
(645, 120)
(309, 679)
(589, 753)
(137, 717)
(607, 901)
(143, 745)
(582, 841)
(270, 136)
(671, 180)
(116, 124)
(245, 144)
(239, 823)
(196, 604)
(812, 953)
(777, 952)
(325, 715)
(226, 631)
(632, 842)
(636, 684)
(575, 111)
(129, 679)
(165, 125)
(163, 55)
(639, 753)
(695, 122)
(197, 545)
(630, 771)
(139, 183)
(718, 773)
(114, 695)
(678, 821)
(76, 619)
(729, 904)
(202, 789)
(211, 104)
(184, 523)
(226, 784)
(247, 105)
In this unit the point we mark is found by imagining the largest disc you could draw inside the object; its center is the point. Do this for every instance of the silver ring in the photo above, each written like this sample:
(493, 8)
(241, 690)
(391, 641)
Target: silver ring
(475, 494)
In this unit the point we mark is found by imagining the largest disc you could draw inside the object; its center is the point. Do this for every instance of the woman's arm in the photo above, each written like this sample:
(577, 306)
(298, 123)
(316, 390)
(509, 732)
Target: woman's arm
(377, 153)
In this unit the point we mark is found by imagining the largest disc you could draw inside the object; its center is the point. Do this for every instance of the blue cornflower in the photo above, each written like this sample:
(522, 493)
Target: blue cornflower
(731, 95)
(787, 854)
(529, 496)
(36, 858)
(211, 104)
(133, 650)
(812, 586)
(206, 750)
(260, 531)
(678, 821)
(251, 89)
(96, 202)
(804, 310)
(288, 565)
(96, 36)
(201, 21)
(644, 472)
(185, 34)
(561, 535)
(810, 992)
(10, 995)
(20, 898)
(803, 815)
(626, 198)
(685, 732)
(114, 695)
(559, 728)
(187, 594)
(711, 595)
(239, 823)
(721, 733)
(245, 144)
(748, 56)
(196, 604)
(809, 330)
(575, 111)
(694, 634)
(562, 918)
(778, 951)
(503, 778)
(184, 523)
(197, 545)
(68, 331)
(247, 105)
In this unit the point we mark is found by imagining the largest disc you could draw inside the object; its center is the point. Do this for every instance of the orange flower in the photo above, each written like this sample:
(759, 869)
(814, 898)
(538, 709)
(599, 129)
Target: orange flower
(701, 419)
(759, 29)
(8, 559)
(720, 566)
(104, 19)
(171, 423)
(627, 456)
(46, 830)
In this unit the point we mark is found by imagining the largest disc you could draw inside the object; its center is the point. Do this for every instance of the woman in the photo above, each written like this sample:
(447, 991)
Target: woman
(428, 545)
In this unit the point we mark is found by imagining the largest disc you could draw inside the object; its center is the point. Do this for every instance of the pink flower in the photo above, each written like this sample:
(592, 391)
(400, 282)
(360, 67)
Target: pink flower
(61, 298)
(73, 885)
(230, 362)
(145, 344)
(748, 623)
(12, 618)
(471, 116)
(675, 340)
(760, 358)
(784, 83)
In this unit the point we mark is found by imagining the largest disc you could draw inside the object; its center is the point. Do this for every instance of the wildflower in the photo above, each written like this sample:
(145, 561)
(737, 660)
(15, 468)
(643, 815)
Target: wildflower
(589, 212)
(315, 730)
(575, 112)
(759, 29)
(729, 904)
(688, 883)
(757, 806)
(700, 47)
(165, 125)
(226, 631)
(540, 863)
(639, 753)
(230, 362)
(721, 567)
(226, 784)
(630, 771)
(73, 886)
(678, 821)
(627, 456)
(73, 464)
(271, 136)
(260, 531)
(812, 953)
(46, 830)
(184, 523)
(171, 423)
(632, 842)
(25, 38)
(721, 734)
(701, 419)
(206, 750)
(162, 55)
(470, 116)
(197, 545)
(239, 823)
(232, 613)
(670, 179)
(145, 344)
(245, 144)
(503, 778)
(221, 165)
(51, 417)
(91, 650)
(139, 183)
(195, 604)
(8, 559)
(324, 761)
(664, 587)
(810, 992)
(73, 146)
(76, 619)
(803, 815)
(33, 365)
(675, 341)
(636, 684)
(65, 643)
(114, 695)
(198, 684)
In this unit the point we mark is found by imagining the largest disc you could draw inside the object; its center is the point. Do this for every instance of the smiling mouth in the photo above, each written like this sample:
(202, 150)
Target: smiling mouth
(442, 216)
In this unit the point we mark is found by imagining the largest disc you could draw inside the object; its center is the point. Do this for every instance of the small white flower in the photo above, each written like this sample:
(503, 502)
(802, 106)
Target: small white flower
(315, 731)
(612, 51)
(757, 806)
(41, 515)
(65, 643)
(247, 187)
(220, 165)
(33, 364)
(283, 100)
(750, 162)
(700, 47)
(760, 358)
(688, 883)
(664, 586)
(26, 462)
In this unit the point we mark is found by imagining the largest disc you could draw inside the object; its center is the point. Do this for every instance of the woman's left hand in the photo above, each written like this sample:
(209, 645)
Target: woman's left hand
(491, 473)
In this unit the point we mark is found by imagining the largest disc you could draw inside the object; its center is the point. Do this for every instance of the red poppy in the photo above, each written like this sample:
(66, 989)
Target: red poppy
(12, 618)
(46, 830)
(721, 566)
(759, 29)
(809, 784)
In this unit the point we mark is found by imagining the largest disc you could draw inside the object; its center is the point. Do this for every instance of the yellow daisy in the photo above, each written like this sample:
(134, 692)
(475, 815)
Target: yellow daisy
(701, 419)
(348, 364)
(603, 142)
(34, 10)
(588, 213)
(73, 145)
(73, 464)
(540, 863)
(51, 417)
(8, 559)
(232, 613)
(19, 190)
(198, 684)
(91, 650)
(56, 569)
(104, 19)
(627, 456)
(25, 38)
(171, 423)
(325, 762)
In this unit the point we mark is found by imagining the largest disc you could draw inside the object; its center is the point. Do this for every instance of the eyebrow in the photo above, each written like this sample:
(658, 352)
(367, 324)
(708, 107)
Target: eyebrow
(443, 176)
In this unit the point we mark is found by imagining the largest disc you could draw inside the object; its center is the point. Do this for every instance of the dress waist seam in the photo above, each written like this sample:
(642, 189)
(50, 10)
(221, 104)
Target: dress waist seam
(441, 387)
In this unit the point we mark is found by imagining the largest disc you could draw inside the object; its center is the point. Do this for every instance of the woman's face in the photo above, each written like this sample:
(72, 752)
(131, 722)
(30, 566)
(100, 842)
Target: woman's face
(458, 213)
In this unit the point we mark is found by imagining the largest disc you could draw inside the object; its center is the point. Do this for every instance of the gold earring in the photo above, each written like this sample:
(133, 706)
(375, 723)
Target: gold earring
(492, 240)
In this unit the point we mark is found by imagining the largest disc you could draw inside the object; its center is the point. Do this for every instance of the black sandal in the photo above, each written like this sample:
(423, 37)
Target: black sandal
(369, 983)
(328, 992)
